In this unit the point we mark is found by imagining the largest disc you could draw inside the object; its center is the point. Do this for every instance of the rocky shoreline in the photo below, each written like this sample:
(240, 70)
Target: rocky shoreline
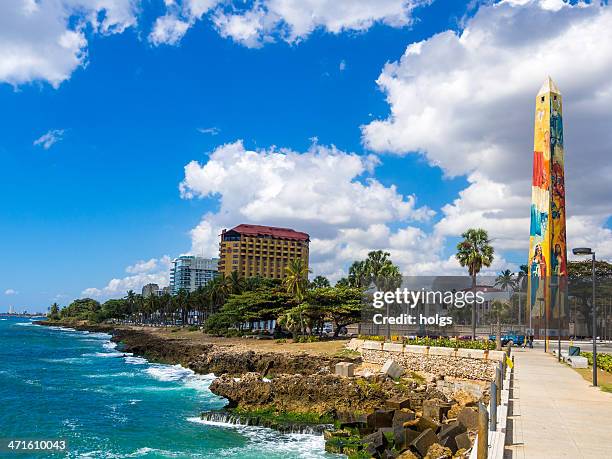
(363, 416)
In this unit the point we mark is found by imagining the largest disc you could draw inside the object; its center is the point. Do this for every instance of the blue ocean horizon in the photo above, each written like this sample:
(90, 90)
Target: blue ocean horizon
(76, 386)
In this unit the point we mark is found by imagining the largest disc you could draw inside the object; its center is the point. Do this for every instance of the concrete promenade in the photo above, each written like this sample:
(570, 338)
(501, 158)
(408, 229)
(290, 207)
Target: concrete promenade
(555, 413)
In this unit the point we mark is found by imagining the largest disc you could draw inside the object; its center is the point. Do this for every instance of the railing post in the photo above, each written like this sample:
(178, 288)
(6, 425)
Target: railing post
(499, 383)
(493, 407)
(483, 434)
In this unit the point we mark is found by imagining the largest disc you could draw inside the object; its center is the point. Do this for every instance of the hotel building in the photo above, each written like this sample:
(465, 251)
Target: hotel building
(254, 250)
(190, 273)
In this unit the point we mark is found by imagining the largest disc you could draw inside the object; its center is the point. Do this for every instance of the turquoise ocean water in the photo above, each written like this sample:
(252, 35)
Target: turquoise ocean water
(76, 386)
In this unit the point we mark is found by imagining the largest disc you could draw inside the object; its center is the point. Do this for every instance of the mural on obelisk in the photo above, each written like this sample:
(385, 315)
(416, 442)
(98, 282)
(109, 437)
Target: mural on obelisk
(547, 247)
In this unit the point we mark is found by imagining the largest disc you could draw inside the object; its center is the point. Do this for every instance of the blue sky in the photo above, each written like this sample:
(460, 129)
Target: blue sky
(105, 196)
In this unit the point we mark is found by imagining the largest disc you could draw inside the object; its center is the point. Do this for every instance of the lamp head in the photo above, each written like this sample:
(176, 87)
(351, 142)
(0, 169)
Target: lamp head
(582, 251)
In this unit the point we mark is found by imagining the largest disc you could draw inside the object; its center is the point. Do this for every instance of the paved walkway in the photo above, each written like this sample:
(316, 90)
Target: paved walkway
(555, 412)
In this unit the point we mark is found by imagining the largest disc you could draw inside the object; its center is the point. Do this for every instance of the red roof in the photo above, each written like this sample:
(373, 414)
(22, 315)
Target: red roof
(259, 230)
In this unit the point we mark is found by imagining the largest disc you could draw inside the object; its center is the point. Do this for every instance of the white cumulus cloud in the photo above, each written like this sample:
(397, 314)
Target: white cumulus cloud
(465, 101)
(10, 291)
(257, 22)
(153, 271)
(328, 193)
(45, 40)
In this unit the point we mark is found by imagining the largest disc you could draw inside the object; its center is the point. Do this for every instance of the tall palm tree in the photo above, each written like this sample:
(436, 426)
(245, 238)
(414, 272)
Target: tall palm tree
(506, 280)
(474, 252)
(358, 275)
(499, 309)
(296, 279)
(236, 283)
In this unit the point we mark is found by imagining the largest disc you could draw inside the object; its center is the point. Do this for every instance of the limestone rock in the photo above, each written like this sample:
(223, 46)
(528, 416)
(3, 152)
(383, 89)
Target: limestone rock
(392, 369)
(437, 451)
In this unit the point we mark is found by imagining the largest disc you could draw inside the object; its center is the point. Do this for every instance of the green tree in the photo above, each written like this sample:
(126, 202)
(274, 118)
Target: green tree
(296, 278)
(319, 282)
(580, 287)
(343, 282)
(54, 312)
(500, 310)
(340, 305)
(474, 252)
(359, 276)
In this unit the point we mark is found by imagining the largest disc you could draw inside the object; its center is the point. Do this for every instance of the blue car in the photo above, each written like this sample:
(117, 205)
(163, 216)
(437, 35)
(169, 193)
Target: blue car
(510, 337)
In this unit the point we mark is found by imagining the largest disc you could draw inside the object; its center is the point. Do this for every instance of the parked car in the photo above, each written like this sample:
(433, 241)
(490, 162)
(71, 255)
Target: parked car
(510, 337)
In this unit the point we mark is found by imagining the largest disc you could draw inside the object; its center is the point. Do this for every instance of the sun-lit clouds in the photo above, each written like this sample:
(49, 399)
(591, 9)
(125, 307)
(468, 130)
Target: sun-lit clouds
(255, 23)
(46, 40)
(10, 292)
(155, 271)
(50, 138)
(328, 193)
(465, 102)
(293, 20)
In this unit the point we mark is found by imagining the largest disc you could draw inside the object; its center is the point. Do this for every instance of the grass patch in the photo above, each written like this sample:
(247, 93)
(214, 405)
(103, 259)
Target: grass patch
(348, 353)
(606, 387)
(283, 417)
(417, 377)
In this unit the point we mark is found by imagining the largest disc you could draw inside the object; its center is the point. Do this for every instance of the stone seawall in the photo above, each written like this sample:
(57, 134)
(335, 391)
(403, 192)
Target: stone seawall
(474, 364)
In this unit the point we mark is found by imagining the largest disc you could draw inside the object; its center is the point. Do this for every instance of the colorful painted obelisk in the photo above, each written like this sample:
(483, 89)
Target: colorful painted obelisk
(547, 246)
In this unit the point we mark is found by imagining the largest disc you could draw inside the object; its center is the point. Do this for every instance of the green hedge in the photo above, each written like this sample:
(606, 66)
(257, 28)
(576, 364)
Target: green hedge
(604, 361)
(441, 342)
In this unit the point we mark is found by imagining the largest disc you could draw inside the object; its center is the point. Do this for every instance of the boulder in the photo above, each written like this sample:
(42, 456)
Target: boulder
(448, 433)
(380, 418)
(468, 417)
(463, 441)
(392, 369)
(402, 416)
(398, 403)
(425, 423)
(437, 451)
(376, 441)
(404, 437)
(346, 369)
(424, 441)
(435, 409)
(465, 398)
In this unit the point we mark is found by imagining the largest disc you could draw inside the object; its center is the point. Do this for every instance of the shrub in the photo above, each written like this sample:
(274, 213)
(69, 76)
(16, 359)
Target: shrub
(604, 361)
(454, 343)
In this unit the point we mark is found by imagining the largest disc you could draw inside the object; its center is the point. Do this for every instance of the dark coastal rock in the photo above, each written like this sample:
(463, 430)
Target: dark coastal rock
(424, 441)
(398, 403)
(425, 423)
(376, 441)
(435, 409)
(402, 416)
(468, 417)
(463, 441)
(404, 437)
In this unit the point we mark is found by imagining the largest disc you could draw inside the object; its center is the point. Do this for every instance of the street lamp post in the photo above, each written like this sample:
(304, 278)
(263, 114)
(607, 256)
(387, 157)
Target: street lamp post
(589, 251)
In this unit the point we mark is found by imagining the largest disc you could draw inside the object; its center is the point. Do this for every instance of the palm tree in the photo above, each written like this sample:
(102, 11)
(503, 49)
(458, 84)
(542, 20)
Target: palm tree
(358, 275)
(296, 279)
(236, 283)
(499, 309)
(319, 282)
(506, 281)
(474, 251)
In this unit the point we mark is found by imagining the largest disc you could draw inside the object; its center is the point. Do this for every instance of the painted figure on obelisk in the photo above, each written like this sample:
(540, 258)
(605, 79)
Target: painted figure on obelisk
(547, 247)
